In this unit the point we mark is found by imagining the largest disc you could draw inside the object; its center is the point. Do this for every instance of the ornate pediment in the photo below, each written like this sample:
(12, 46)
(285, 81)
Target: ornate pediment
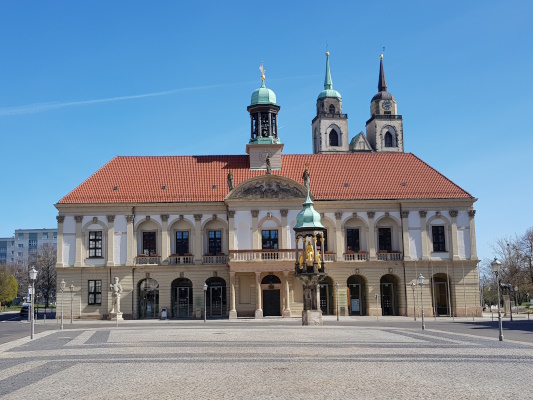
(271, 187)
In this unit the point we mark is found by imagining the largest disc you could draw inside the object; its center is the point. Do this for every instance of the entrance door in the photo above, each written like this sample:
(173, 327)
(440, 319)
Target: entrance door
(271, 303)
(355, 299)
(324, 298)
(183, 302)
(387, 298)
(216, 301)
(441, 298)
(148, 299)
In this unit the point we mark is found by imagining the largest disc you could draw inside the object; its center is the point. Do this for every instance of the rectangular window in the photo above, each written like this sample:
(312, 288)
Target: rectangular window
(352, 240)
(149, 244)
(20, 254)
(215, 242)
(55, 235)
(385, 239)
(95, 244)
(269, 239)
(95, 293)
(45, 235)
(32, 243)
(21, 236)
(182, 242)
(20, 245)
(439, 242)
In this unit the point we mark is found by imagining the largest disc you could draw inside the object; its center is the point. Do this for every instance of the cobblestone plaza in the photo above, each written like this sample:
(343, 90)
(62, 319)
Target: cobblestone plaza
(271, 360)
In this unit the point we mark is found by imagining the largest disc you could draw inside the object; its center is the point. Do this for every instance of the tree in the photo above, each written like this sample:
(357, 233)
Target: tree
(8, 287)
(20, 272)
(45, 264)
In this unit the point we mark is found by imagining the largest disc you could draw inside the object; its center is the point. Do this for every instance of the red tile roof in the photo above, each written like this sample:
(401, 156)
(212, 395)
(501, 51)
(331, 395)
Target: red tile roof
(204, 178)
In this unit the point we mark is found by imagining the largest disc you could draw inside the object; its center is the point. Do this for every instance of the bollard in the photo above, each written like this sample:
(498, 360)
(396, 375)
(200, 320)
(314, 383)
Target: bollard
(473, 315)
(492, 316)
(44, 318)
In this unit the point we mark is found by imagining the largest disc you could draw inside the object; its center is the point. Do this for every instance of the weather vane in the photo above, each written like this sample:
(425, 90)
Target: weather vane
(262, 69)
(382, 52)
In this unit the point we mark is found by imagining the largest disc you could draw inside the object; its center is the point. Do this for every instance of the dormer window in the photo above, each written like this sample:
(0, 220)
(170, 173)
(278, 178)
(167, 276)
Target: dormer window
(331, 109)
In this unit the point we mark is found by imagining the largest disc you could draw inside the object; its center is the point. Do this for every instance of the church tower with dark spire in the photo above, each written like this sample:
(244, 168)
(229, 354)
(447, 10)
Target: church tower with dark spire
(330, 126)
(384, 129)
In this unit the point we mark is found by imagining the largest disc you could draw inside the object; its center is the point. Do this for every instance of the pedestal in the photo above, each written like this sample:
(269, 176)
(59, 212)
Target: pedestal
(113, 316)
(287, 314)
(258, 314)
(233, 314)
(312, 318)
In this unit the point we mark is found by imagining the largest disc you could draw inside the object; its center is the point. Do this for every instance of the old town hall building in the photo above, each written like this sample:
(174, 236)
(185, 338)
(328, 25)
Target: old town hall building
(221, 227)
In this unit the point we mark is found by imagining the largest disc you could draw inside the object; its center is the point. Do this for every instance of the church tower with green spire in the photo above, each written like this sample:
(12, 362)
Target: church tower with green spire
(330, 126)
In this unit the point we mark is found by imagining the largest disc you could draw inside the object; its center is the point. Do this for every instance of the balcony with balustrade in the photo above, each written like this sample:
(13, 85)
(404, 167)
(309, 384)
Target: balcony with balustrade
(176, 259)
(270, 255)
(219, 258)
(142, 259)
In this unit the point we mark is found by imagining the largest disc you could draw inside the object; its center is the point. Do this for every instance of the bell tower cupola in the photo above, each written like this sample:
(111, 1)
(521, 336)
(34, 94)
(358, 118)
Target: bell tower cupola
(330, 126)
(264, 147)
(384, 129)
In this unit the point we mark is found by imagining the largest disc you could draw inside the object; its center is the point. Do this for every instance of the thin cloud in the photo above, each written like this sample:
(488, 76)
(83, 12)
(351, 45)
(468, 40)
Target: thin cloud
(50, 106)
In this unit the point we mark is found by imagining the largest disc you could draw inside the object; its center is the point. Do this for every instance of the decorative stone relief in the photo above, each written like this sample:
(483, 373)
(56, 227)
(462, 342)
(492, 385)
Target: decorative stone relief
(164, 217)
(95, 220)
(129, 218)
(269, 190)
(387, 214)
(255, 213)
(371, 214)
(215, 274)
(338, 215)
(405, 214)
(284, 212)
(215, 216)
(110, 218)
(231, 213)
(354, 215)
(78, 218)
(471, 213)
(181, 217)
(148, 218)
(453, 213)
(197, 217)
(60, 219)
(423, 213)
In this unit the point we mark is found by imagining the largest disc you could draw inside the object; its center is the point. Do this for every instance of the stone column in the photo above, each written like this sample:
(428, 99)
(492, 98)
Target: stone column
(129, 240)
(258, 308)
(287, 308)
(454, 249)
(284, 242)
(339, 241)
(255, 233)
(164, 239)
(424, 235)
(199, 245)
(405, 234)
(473, 248)
(231, 234)
(79, 244)
(233, 311)
(371, 236)
(60, 220)
(110, 240)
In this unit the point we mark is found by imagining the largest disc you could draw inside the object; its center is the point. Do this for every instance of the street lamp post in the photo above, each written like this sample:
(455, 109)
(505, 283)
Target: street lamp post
(205, 302)
(71, 303)
(62, 287)
(413, 286)
(33, 276)
(496, 265)
(377, 307)
(516, 298)
(337, 301)
(421, 282)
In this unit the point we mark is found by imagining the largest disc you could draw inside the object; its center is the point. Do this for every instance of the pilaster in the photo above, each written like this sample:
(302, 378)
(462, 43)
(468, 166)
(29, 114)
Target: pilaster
(199, 246)
(287, 308)
(255, 233)
(455, 253)
(258, 301)
(473, 248)
(284, 244)
(129, 240)
(231, 233)
(60, 220)
(339, 242)
(371, 236)
(165, 243)
(110, 240)
(405, 234)
(78, 219)
(424, 235)
(233, 311)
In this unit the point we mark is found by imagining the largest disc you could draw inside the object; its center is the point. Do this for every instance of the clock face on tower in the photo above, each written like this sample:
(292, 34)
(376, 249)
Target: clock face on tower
(387, 105)
(263, 155)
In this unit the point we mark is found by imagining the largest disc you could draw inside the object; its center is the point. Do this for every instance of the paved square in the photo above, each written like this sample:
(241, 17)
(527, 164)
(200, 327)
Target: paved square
(237, 361)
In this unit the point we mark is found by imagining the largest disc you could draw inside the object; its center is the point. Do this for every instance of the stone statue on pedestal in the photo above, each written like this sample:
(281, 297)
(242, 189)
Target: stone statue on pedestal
(116, 289)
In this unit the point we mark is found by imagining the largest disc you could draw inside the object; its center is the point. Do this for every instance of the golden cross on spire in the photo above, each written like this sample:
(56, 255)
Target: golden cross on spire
(262, 69)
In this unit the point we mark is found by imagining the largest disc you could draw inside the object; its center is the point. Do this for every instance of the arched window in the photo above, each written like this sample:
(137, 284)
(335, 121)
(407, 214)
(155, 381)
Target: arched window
(333, 138)
(331, 109)
(388, 139)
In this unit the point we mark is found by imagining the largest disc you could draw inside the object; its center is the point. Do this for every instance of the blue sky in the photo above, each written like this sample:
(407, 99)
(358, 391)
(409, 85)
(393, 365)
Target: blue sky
(81, 82)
